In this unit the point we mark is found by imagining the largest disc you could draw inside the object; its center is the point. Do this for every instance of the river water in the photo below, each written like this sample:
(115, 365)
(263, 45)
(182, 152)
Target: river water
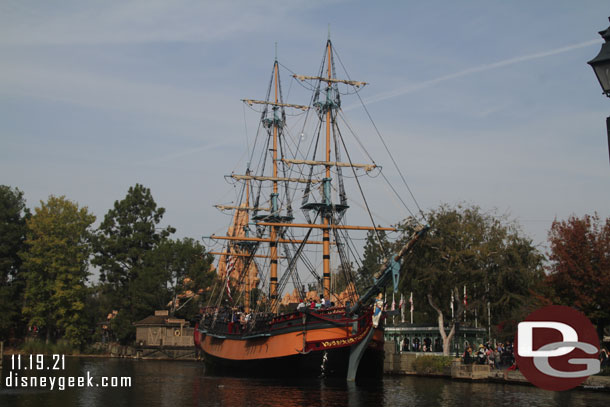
(184, 383)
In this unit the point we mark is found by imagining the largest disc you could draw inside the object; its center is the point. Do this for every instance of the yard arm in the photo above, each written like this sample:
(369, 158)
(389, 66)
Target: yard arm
(390, 270)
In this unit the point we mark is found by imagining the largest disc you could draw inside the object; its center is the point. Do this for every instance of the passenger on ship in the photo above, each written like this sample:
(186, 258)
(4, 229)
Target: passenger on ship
(243, 321)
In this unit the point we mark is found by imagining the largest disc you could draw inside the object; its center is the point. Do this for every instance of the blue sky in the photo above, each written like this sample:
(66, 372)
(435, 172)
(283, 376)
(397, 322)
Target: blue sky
(485, 102)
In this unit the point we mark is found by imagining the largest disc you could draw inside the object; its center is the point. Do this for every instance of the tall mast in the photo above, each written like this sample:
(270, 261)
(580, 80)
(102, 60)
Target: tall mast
(326, 208)
(247, 271)
(328, 212)
(274, 200)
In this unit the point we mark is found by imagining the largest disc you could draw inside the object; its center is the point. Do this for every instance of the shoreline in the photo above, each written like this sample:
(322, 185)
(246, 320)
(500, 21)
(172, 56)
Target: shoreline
(401, 364)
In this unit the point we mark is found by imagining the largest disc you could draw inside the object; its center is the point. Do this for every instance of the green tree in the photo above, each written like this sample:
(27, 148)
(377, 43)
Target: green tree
(374, 257)
(135, 284)
(56, 268)
(189, 275)
(579, 271)
(13, 216)
(484, 252)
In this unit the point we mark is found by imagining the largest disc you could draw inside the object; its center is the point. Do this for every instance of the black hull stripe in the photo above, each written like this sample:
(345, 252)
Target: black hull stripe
(301, 365)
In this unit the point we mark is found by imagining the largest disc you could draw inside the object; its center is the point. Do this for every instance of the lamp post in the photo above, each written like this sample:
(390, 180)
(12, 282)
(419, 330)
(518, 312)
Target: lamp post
(601, 67)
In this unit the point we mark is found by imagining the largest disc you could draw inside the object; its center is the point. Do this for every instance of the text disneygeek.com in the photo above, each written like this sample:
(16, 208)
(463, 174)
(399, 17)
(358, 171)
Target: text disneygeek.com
(15, 380)
(36, 363)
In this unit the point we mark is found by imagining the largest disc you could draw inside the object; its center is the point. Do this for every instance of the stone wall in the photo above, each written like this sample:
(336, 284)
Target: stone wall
(398, 363)
(402, 363)
(469, 372)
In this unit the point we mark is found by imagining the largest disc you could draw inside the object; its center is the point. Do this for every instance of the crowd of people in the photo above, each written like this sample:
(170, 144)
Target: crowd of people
(230, 319)
(500, 357)
(313, 304)
(235, 320)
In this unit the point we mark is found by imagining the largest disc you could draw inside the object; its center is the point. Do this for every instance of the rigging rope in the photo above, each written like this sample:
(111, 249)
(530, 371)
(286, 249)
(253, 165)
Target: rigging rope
(349, 158)
(380, 171)
(345, 265)
(291, 269)
(383, 142)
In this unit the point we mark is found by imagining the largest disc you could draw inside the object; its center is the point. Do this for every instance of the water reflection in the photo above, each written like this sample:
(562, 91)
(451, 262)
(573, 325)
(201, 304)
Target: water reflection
(161, 383)
(443, 392)
(222, 391)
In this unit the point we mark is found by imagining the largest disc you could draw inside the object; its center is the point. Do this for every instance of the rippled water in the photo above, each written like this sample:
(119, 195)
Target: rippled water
(182, 383)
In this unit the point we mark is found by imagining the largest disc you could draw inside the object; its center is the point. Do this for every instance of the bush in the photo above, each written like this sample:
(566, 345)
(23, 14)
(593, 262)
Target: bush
(431, 364)
(34, 346)
(62, 347)
(37, 346)
(96, 348)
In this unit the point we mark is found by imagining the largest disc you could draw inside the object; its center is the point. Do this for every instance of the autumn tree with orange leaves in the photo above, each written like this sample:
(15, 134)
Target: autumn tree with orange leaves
(579, 272)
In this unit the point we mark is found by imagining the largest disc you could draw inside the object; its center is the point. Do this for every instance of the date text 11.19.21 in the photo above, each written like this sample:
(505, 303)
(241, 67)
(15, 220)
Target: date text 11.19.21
(38, 362)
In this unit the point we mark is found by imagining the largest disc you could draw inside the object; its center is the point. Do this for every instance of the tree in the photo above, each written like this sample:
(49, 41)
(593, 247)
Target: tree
(189, 274)
(135, 284)
(56, 264)
(579, 272)
(13, 217)
(374, 257)
(466, 247)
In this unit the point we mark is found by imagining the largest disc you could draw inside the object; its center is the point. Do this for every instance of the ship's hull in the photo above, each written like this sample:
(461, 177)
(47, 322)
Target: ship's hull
(332, 363)
(298, 345)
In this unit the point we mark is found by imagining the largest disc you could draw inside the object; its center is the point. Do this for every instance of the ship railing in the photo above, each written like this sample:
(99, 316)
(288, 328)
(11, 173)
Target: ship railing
(221, 323)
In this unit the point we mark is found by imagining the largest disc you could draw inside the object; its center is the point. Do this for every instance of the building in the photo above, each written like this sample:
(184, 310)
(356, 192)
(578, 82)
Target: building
(162, 331)
(413, 337)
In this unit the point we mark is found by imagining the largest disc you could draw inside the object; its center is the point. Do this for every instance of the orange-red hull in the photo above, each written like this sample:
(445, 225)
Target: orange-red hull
(298, 344)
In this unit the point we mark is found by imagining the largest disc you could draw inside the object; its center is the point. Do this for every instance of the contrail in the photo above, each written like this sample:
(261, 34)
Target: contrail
(408, 89)
(181, 154)
(486, 67)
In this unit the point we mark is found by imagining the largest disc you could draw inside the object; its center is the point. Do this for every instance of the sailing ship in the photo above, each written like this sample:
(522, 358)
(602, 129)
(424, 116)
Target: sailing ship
(247, 331)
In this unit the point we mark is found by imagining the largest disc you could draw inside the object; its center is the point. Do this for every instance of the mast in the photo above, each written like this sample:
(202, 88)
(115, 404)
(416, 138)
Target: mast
(328, 212)
(274, 203)
(247, 271)
(326, 209)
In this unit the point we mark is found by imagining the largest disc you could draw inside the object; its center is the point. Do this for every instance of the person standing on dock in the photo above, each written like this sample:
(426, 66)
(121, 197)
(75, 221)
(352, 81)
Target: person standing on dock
(604, 358)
